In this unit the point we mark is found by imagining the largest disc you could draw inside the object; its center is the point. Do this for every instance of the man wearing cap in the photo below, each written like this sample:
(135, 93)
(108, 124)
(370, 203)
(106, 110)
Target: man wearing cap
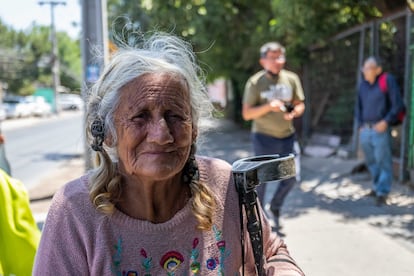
(273, 97)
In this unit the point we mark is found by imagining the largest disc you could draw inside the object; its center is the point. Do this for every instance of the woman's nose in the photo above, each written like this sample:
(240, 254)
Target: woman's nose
(159, 132)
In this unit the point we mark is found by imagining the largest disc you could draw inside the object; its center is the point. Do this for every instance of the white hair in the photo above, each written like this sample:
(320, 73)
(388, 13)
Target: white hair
(160, 53)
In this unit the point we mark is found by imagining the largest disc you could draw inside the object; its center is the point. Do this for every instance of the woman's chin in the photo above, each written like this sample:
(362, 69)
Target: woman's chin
(162, 171)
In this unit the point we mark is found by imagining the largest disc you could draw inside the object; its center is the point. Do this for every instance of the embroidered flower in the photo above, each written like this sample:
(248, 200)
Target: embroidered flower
(211, 263)
(131, 273)
(195, 265)
(117, 257)
(221, 245)
(171, 261)
(146, 262)
(217, 233)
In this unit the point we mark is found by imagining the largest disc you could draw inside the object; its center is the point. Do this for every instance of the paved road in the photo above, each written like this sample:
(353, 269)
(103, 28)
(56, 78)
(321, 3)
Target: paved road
(35, 146)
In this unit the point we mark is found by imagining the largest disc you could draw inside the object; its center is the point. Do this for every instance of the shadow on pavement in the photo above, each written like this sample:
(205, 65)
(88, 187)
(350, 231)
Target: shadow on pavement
(61, 156)
(348, 196)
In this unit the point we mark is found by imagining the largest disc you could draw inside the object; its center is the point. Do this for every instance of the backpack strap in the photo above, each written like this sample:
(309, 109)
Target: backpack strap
(382, 82)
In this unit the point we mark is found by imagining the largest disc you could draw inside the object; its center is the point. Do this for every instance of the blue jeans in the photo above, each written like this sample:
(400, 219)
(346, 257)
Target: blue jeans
(378, 157)
(264, 144)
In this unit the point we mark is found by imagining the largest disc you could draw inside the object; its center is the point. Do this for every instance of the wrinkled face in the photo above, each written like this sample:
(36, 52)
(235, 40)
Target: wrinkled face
(273, 61)
(154, 126)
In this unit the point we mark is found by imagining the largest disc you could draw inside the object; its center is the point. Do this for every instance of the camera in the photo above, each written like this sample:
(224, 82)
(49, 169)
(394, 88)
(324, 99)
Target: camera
(289, 107)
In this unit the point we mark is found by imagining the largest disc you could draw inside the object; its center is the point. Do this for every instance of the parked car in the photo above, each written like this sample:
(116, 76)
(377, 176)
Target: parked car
(39, 107)
(17, 107)
(69, 101)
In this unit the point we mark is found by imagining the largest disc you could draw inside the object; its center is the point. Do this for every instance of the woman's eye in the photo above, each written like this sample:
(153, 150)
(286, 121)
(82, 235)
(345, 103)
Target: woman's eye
(140, 116)
(173, 116)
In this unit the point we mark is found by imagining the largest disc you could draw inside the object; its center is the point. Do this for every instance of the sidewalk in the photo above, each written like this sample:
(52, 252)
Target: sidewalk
(41, 194)
(331, 227)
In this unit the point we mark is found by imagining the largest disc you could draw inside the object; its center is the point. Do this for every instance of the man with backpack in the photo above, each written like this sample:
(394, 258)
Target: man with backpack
(379, 106)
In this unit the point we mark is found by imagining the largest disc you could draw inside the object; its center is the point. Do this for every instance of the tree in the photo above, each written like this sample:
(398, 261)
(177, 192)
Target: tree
(25, 59)
(227, 34)
(70, 61)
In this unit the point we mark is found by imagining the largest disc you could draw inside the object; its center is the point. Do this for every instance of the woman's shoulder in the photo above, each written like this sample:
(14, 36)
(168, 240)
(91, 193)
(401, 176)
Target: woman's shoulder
(76, 186)
(216, 172)
(212, 164)
(73, 194)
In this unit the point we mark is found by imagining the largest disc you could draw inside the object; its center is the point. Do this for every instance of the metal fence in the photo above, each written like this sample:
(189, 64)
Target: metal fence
(333, 73)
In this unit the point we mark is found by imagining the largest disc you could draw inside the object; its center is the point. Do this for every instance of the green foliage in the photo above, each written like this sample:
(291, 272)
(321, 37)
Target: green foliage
(341, 113)
(70, 61)
(25, 59)
(227, 34)
(302, 24)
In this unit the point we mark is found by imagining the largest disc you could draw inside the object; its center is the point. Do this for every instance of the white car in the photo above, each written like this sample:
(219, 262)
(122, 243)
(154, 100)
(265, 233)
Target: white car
(70, 102)
(17, 107)
(40, 107)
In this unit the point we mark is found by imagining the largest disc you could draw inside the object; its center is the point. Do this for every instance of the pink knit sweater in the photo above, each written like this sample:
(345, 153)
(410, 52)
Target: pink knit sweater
(79, 240)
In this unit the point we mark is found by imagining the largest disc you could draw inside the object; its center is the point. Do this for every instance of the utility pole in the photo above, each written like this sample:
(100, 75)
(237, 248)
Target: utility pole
(94, 38)
(55, 53)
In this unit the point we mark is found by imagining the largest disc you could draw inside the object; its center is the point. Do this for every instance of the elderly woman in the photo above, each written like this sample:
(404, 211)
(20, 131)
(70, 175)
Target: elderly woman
(151, 206)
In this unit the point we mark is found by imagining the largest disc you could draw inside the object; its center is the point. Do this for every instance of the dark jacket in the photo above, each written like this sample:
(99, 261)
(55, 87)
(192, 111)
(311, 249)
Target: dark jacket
(374, 105)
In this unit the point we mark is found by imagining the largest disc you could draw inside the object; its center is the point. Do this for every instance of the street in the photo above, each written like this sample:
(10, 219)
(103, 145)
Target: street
(37, 146)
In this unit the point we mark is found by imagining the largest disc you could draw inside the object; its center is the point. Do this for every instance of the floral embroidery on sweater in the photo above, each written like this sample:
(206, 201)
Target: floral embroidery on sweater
(195, 265)
(117, 258)
(146, 262)
(131, 273)
(221, 244)
(171, 262)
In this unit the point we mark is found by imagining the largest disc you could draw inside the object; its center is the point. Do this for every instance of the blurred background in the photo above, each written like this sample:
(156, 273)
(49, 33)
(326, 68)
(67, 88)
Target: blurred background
(51, 52)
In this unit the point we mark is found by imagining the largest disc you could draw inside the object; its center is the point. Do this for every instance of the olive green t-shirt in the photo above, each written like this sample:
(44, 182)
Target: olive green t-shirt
(260, 89)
